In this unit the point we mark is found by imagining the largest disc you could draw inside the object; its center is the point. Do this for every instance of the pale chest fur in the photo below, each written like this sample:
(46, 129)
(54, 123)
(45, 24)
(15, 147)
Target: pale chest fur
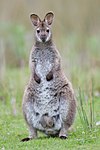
(43, 64)
(43, 61)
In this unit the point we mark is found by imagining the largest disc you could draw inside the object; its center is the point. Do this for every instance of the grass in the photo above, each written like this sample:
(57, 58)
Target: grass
(13, 127)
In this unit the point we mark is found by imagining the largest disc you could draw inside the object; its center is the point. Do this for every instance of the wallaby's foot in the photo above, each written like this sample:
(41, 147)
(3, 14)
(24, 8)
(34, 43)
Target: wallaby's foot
(32, 135)
(63, 134)
(26, 139)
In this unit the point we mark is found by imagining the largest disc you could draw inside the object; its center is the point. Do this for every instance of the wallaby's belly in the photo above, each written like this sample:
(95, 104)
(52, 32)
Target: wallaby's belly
(46, 103)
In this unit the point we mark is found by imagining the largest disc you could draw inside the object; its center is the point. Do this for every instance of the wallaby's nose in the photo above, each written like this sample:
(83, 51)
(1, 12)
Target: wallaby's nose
(43, 37)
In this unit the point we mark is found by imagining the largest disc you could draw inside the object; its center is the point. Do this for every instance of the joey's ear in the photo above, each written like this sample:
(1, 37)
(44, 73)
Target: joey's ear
(35, 19)
(49, 18)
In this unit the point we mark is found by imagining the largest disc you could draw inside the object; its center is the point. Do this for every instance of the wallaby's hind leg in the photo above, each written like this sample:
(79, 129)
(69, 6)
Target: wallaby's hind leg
(67, 111)
(63, 132)
(32, 134)
(28, 114)
(64, 105)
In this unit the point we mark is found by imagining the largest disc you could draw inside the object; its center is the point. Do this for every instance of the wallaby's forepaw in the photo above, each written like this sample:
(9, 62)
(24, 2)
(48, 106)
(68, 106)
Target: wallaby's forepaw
(26, 139)
(36, 78)
(49, 76)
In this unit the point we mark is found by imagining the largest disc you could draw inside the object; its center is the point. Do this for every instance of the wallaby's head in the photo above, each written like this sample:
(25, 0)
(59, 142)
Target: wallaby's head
(42, 28)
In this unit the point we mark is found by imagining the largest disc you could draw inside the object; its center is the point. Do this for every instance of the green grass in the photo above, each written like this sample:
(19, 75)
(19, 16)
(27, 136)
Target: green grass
(13, 127)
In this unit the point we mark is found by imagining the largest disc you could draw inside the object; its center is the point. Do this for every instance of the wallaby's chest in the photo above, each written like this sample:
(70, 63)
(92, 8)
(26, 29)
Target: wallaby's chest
(43, 67)
(44, 61)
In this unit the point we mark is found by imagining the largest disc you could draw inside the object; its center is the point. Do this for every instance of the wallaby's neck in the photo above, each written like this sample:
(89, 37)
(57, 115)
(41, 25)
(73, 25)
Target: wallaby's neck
(44, 44)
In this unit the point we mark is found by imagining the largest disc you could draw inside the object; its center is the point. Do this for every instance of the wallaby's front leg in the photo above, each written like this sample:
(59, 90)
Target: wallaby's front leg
(55, 68)
(49, 76)
(36, 78)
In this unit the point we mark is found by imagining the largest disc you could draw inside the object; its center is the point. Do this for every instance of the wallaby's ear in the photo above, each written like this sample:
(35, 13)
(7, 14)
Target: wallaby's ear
(49, 18)
(35, 19)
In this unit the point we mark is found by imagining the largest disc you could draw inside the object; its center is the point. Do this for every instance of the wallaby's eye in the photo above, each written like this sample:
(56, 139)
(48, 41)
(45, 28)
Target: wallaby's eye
(38, 31)
(47, 30)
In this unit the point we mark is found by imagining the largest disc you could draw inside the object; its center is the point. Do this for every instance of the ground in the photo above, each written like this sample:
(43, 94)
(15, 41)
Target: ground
(13, 127)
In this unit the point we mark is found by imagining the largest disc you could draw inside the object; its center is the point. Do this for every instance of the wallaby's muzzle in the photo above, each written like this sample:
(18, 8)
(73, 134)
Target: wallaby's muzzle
(43, 38)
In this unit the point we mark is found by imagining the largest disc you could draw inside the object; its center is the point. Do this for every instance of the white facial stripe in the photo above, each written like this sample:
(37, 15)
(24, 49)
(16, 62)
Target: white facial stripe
(48, 37)
(38, 28)
(38, 38)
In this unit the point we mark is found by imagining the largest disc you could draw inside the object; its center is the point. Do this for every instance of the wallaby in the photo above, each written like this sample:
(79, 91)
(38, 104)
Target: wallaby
(49, 102)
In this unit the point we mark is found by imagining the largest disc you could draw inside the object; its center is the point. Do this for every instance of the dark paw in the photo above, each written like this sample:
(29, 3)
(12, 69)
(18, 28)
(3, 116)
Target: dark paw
(49, 76)
(36, 78)
(25, 139)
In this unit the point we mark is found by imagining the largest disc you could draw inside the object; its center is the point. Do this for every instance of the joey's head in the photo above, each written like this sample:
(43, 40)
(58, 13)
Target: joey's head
(42, 28)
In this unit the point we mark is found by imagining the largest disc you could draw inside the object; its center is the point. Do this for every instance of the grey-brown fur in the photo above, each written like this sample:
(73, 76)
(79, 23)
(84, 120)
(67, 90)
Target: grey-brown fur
(48, 102)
